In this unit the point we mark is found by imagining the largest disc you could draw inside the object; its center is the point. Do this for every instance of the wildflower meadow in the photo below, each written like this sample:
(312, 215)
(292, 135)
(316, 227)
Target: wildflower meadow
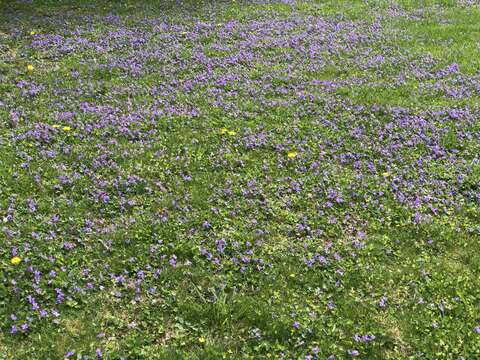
(268, 179)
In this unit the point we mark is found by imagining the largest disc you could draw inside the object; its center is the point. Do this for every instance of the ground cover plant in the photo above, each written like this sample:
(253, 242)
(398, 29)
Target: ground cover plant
(239, 180)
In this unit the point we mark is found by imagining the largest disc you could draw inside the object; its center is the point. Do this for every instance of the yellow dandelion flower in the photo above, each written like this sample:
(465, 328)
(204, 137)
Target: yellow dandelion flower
(32, 33)
(56, 126)
(201, 340)
(67, 128)
(231, 132)
(223, 131)
(15, 260)
(292, 154)
(386, 174)
(30, 67)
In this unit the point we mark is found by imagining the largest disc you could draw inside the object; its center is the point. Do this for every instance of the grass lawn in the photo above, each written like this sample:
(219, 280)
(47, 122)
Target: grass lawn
(240, 179)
